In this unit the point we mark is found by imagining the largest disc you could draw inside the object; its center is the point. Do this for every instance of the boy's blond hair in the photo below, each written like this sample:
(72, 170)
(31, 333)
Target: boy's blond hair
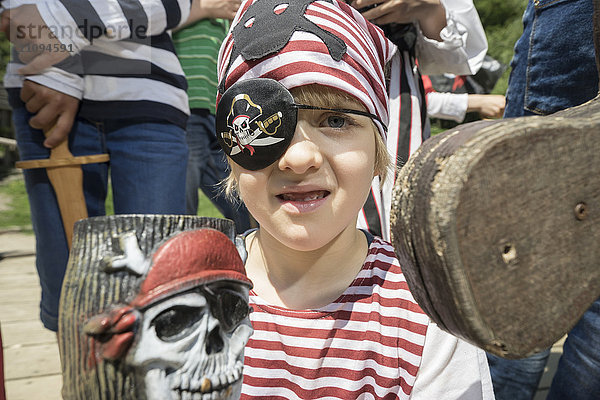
(322, 96)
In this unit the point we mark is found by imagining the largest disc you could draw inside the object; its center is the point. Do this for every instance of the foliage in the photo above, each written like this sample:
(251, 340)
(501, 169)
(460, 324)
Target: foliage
(502, 21)
(495, 13)
(206, 208)
(14, 205)
(4, 53)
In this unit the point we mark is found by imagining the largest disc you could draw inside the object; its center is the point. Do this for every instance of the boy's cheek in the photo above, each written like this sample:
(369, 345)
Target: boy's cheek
(251, 185)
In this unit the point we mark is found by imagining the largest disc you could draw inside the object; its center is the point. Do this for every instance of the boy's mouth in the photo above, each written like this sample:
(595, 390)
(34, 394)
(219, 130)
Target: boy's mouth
(305, 196)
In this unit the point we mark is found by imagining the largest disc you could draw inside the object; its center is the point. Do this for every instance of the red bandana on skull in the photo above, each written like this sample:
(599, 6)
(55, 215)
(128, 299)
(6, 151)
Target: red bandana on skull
(190, 259)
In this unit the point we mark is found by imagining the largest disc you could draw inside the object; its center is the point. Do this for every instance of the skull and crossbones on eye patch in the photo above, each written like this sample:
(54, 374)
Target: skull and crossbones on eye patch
(254, 116)
(243, 107)
(245, 125)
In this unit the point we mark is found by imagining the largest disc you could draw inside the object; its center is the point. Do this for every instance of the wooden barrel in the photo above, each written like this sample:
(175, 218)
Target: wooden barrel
(88, 290)
(497, 228)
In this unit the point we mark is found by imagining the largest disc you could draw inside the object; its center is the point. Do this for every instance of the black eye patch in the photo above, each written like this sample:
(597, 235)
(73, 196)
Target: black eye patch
(256, 120)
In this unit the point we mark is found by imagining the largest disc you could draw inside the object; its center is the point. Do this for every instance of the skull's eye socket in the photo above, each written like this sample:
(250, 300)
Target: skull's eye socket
(234, 309)
(176, 322)
(228, 306)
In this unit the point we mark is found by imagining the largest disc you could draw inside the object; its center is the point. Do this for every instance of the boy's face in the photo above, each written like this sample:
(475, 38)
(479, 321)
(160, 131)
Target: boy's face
(315, 190)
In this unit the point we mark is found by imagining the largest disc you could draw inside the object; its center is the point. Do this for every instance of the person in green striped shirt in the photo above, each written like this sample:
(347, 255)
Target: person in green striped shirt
(197, 45)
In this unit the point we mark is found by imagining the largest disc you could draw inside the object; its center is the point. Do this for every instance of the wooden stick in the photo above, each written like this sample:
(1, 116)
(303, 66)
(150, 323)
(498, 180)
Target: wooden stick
(65, 175)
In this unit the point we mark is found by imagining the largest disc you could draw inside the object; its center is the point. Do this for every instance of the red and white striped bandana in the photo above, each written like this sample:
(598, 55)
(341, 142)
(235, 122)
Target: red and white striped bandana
(304, 42)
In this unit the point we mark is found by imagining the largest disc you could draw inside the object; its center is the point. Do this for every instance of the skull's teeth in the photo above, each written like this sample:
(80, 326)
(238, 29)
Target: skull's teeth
(185, 382)
(175, 381)
(185, 395)
(213, 383)
(206, 385)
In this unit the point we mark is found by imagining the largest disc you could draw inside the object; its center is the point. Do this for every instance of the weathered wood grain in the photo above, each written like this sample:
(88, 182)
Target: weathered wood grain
(497, 225)
(27, 333)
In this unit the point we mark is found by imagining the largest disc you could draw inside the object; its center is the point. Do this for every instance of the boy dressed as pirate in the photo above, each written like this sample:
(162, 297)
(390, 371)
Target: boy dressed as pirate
(302, 113)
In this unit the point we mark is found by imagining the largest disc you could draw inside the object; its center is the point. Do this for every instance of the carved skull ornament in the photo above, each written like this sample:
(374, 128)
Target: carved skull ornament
(185, 352)
(191, 319)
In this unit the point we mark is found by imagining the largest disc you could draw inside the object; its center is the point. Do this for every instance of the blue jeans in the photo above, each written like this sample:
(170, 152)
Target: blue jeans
(553, 66)
(577, 376)
(517, 379)
(206, 168)
(147, 172)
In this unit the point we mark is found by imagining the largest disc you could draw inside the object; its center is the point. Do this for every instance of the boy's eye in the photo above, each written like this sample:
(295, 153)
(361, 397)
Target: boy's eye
(336, 121)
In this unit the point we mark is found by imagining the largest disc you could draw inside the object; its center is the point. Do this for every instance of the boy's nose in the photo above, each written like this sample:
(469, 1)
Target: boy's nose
(302, 155)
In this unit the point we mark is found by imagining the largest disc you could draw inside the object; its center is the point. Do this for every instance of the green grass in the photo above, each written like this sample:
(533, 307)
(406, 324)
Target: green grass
(436, 130)
(14, 205)
(206, 208)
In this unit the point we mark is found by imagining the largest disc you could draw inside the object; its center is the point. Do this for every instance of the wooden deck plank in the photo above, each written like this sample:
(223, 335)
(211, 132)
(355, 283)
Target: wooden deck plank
(17, 241)
(31, 361)
(17, 295)
(45, 387)
(26, 333)
(13, 265)
(25, 311)
(31, 358)
(22, 279)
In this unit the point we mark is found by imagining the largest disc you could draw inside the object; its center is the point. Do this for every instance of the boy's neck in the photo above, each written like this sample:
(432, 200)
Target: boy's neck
(304, 279)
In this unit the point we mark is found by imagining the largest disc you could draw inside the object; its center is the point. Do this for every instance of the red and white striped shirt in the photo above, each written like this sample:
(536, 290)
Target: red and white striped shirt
(366, 344)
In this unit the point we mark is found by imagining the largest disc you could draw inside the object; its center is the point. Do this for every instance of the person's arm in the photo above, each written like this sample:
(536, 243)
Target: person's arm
(450, 36)
(52, 109)
(79, 22)
(451, 369)
(487, 105)
(429, 14)
(452, 106)
(463, 46)
(62, 28)
(211, 9)
(53, 96)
